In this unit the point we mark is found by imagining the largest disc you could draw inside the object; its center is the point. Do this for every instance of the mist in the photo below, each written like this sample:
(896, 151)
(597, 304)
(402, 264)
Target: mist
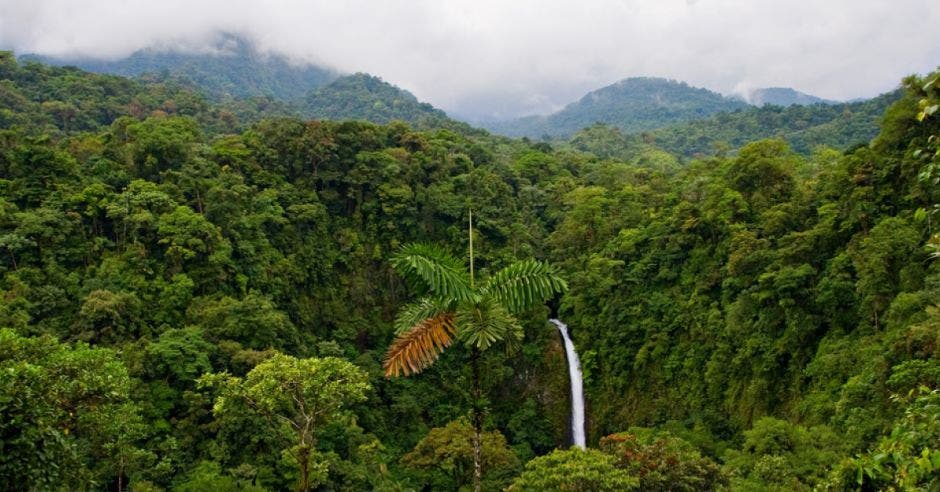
(493, 60)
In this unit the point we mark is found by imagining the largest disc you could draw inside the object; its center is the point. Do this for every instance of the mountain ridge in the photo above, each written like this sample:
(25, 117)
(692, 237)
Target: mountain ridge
(632, 104)
(784, 96)
(236, 71)
(368, 97)
(234, 68)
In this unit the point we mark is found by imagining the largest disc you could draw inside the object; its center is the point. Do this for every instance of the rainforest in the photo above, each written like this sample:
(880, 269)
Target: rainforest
(228, 293)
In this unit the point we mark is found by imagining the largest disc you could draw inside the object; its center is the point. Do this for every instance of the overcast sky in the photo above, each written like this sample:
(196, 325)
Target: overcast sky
(478, 57)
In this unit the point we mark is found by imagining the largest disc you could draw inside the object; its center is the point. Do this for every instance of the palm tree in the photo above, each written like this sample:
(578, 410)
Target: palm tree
(452, 307)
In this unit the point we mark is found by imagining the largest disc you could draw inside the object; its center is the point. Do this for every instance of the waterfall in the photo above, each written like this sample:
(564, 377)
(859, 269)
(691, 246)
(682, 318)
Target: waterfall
(577, 391)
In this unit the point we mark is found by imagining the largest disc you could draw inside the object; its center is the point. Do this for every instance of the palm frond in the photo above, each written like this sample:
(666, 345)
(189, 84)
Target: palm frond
(431, 269)
(513, 339)
(524, 283)
(416, 349)
(485, 323)
(417, 312)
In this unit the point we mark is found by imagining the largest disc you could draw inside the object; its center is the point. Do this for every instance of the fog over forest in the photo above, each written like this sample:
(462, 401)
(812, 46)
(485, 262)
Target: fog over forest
(490, 59)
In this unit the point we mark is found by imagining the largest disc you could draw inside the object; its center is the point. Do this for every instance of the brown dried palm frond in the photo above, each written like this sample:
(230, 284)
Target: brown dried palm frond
(416, 349)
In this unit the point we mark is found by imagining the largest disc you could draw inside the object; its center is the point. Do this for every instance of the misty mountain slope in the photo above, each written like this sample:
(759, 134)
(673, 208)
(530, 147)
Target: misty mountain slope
(366, 97)
(784, 96)
(633, 105)
(36, 98)
(833, 125)
(237, 73)
(234, 69)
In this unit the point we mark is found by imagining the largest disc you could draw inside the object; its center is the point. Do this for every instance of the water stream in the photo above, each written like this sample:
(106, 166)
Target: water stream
(577, 391)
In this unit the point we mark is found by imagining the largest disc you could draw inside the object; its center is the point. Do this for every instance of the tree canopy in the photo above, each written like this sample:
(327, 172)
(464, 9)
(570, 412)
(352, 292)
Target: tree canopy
(195, 298)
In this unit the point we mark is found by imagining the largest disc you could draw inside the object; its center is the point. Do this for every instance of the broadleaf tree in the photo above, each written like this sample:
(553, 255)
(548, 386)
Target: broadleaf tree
(296, 397)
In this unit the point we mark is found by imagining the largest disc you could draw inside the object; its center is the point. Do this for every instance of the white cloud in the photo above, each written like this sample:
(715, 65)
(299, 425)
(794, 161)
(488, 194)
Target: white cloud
(484, 57)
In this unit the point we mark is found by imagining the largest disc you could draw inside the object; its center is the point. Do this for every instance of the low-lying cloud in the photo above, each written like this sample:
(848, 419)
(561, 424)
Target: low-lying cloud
(482, 58)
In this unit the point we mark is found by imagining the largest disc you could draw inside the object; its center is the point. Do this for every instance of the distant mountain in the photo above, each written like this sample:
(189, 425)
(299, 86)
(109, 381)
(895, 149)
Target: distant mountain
(632, 105)
(233, 69)
(784, 96)
(366, 97)
(840, 126)
(237, 75)
(40, 99)
(804, 127)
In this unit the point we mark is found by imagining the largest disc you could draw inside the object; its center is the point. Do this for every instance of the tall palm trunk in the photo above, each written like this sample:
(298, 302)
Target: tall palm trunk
(477, 422)
(477, 392)
(452, 295)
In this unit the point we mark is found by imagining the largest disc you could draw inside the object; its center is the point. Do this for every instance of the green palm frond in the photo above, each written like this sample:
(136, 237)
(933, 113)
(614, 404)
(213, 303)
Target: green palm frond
(485, 323)
(413, 314)
(513, 339)
(430, 269)
(524, 283)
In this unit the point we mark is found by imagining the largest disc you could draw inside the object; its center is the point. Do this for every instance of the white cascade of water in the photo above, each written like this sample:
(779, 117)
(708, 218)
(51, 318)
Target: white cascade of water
(577, 391)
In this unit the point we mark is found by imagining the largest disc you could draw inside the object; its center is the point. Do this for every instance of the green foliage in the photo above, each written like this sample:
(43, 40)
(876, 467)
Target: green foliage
(365, 97)
(445, 457)
(840, 126)
(430, 269)
(906, 459)
(662, 461)
(294, 397)
(884, 265)
(574, 470)
(758, 284)
(523, 284)
(480, 316)
(253, 322)
(66, 417)
(179, 355)
(703, 298)
(66, 100)
(779, 455)
(209, 476)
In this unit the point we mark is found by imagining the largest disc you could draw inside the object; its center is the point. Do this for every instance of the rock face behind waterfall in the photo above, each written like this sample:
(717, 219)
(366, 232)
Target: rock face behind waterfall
(577, 390)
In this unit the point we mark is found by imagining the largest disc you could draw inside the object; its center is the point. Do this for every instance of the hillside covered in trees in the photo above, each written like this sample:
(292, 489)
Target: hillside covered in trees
(195, 298)
(366, 97)
(838, 126)
(804, 128)
(231, 68)
(632, 105)
(234, 75)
